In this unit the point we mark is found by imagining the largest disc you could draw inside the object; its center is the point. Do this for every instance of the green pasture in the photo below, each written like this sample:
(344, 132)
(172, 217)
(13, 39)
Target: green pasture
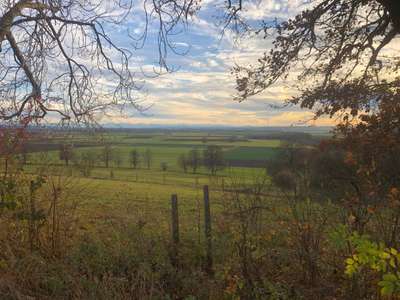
(120, 182)
(251, 153)
(165, 148)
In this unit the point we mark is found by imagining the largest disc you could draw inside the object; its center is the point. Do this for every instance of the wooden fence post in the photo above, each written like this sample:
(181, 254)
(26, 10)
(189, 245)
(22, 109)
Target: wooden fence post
(207, 226)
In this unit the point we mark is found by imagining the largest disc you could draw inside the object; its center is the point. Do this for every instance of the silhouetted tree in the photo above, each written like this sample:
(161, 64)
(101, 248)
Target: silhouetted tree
(164, 166)
(341, 46)
(349, 72)
(107, 155)
(213, 159)
(183, 162)
(194, 160)
(117, 158)
(148, 157)
(66, 153)
(134, 158)
(84, 162)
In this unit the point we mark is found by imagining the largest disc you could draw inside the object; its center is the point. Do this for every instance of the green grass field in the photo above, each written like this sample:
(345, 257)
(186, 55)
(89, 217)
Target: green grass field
(166, 149)
(245, 159)
(111, 189)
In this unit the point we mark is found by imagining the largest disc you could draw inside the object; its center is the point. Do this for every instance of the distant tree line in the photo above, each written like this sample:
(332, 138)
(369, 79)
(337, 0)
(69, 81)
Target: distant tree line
(303, 138)
(85, 160)
(211, 158)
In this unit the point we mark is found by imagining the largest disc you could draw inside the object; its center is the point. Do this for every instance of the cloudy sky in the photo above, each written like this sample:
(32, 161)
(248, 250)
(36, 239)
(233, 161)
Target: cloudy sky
(201, 89)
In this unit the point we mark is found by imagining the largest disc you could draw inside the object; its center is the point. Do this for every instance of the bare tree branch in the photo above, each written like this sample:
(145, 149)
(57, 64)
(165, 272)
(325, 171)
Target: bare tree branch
(59, 57)
(336, 49)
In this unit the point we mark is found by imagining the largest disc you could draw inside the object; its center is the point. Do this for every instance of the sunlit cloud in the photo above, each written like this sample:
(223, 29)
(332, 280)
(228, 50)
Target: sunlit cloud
(202, 89)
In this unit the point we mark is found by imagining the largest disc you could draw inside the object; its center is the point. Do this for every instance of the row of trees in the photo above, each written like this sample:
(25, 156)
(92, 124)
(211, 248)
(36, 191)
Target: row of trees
(136, 159)
(107, 155)
(212, 158)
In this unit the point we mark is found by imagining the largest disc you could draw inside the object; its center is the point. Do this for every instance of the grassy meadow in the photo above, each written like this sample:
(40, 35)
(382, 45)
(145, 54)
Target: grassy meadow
(107, 234)
(146, 190)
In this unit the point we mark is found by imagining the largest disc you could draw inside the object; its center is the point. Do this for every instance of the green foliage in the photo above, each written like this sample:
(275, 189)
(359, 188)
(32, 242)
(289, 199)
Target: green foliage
(378, 258)
(338, 237)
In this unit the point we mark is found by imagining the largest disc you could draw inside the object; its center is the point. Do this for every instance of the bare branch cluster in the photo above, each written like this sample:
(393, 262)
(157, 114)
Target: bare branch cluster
(60, 59)
(337, 51)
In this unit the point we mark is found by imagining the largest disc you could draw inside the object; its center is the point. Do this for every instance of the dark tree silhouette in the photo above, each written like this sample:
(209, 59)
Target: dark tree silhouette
(164, 166)
(148, 158)
(117, 159)
(134, 158)
(343, 53)
(194, 160)
(85, 162)
(183, 162)
(107, 155)
(66, 153)
(338, 48)
(213, 159)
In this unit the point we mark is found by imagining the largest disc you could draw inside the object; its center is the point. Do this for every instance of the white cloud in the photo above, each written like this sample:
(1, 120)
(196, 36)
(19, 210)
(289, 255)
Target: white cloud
(270, 9)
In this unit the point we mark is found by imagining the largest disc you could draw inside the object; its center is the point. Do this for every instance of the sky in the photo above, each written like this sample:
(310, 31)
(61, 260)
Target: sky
(201, 90)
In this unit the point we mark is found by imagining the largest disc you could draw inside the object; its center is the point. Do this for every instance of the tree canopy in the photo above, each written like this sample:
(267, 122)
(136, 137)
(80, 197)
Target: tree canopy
(340, 48)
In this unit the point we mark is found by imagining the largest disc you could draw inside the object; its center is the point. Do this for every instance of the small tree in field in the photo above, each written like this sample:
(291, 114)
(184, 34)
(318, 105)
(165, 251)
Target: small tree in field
(134, 158)
(194, 160)
(66, 153)
(106, 155)
(85, 162)
(183, 162)
(117, 159)
(164, 166)
(148, 158)
(213, 159)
